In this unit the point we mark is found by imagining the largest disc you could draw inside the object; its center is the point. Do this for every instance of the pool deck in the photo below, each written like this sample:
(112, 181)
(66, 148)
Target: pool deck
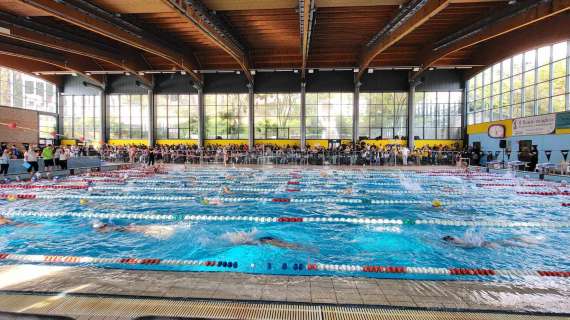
(547, 296)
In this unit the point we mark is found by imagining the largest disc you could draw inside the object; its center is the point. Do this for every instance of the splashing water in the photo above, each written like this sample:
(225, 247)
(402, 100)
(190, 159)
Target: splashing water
(473, 238)
(240, 237)
(409, 184)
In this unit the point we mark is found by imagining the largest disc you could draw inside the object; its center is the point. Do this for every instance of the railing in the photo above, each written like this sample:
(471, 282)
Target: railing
(371, 158)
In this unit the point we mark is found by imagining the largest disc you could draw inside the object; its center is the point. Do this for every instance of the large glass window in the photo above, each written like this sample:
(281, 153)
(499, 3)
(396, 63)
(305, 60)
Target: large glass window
(383, 115)
(23, 91)
(47, 126)
(437, 115)
(82, 117)
(531, 83)
(177, 116)
(226, 116)
(128, 116)
(278, 116)
(329, 115)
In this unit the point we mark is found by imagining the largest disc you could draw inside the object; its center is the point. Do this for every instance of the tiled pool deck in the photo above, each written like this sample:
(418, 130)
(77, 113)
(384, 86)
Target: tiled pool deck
(547, 296)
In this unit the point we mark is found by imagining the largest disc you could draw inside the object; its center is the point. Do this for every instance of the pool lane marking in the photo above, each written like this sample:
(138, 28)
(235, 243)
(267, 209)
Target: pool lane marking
(257, 219)
(61, 259)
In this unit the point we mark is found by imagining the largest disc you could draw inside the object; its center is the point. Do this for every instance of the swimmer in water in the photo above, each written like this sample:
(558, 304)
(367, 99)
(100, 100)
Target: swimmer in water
(226, 190)
(214, 202)
(347, 191)
(155, 231)
(271, 241)
(511, 242)
(324, 174)
(9, 222)
(229, 177)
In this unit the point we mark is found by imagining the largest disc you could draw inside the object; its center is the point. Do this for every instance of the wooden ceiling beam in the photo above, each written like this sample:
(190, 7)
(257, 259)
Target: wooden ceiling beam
(197, 14)
(63, 62)
(503, 22)
(29, 67)
(306, 16)
(31, 34)
(94, 22)
(410, 17)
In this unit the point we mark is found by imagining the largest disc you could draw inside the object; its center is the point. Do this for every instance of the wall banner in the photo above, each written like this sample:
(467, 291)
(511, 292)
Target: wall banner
(544, 124)
(563, 120)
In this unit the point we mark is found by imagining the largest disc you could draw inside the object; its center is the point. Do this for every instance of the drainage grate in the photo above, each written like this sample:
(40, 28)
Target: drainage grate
(163, 309)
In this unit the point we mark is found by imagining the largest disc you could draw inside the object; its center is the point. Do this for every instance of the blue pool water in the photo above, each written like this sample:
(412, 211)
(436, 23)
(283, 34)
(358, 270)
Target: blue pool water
(330, 243)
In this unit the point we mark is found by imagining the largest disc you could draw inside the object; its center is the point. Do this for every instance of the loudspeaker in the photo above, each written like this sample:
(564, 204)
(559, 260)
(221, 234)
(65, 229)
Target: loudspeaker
(503, 144)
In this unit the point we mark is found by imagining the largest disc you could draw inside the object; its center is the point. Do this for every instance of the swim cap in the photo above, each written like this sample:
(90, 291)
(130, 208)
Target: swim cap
(97, 224)
(436, 203)
(447, 238)
(83, 201)
(205, 201)
(12, 197)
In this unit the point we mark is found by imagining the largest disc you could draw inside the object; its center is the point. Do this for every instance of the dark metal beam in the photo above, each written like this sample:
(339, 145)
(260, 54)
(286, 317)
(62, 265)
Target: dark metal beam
(197, 14)
(409, 18)
(306, 22)
(507, 20)
(64, 62)
(101, 22)
(34, 33)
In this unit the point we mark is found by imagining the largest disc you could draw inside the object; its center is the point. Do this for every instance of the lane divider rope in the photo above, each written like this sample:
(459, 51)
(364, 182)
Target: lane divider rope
(258, 219)
(61, 259)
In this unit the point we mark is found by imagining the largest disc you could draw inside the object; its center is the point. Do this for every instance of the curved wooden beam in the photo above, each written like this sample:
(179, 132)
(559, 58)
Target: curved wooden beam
(22, 32)
(528, 13)
(60, 61)
(306, 23)
(93, 22)
(186, 11)
(410, 18)
(29, 67)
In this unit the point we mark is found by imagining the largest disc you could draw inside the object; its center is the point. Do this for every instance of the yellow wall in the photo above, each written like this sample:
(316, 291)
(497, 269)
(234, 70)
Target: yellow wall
(68, 142)
(127, 142)
(281, 143)
(175, 142)
(431, 143)
(323, 142)
(382, 143)
(226, 142)
(484, 127)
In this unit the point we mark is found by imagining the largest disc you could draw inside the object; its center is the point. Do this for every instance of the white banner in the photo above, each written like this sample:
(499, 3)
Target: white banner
(528, 126)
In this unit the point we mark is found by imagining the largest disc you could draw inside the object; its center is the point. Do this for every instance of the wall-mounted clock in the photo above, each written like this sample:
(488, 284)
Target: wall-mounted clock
(496, 131)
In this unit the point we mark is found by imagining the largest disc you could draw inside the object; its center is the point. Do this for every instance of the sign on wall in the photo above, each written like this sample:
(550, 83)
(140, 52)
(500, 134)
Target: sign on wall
(544, 124)
(563, 120)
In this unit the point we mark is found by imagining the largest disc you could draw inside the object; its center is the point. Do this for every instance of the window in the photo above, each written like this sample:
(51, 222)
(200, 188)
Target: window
(437, 115)
(82, 117)
(48, 126)
(226, 116)
(278, 116)
(531, 83)
(177, 116)
(23, 91)
(329, 115)
(383, 115)
(128, 116)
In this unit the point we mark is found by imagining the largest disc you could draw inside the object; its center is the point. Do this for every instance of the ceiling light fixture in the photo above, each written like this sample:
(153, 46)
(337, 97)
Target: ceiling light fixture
(370, 70)
(311, 70)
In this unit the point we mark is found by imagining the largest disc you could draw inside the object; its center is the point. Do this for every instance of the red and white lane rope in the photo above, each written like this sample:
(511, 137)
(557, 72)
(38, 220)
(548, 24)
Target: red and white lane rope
(288, 219)
(34, 186)
(60, 259)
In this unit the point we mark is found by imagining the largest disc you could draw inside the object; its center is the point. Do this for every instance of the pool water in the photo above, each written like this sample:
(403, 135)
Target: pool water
(410, 245)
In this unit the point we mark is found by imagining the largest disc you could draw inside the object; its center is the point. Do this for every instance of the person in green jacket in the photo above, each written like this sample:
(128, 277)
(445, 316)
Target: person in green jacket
(47, 155)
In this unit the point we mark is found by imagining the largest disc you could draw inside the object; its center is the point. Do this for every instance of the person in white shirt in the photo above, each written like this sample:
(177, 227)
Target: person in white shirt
(5, 162)
(405, 152)
(31, 157)
(63, 157)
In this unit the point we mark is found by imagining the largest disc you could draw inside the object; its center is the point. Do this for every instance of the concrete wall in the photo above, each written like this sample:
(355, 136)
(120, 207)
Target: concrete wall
(27, 123)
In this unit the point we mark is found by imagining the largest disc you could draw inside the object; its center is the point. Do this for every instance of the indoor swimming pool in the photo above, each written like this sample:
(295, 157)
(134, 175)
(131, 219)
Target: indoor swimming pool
(441, 224)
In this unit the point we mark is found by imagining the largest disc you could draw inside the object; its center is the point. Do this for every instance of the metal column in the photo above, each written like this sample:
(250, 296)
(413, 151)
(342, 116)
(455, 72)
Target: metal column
(251, 119)
(201, 117)
(411, 111)
(355, 111)
(303, 118)
(151, 118)
(103, 114)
